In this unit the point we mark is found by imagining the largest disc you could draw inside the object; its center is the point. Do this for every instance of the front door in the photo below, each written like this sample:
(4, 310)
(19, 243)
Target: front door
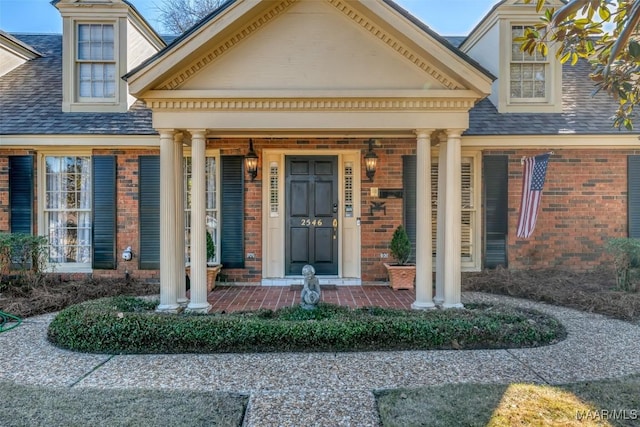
(312, 214)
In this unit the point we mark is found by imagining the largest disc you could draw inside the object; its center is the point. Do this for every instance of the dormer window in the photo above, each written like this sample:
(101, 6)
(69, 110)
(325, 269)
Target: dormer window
(96, 63)
(528, 73)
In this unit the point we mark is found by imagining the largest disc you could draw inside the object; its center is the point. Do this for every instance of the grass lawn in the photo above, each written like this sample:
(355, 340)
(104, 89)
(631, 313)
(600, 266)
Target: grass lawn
(613, 402)
(40, 406)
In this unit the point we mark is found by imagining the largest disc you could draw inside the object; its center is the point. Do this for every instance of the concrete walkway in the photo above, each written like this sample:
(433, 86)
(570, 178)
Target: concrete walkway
(291, 389)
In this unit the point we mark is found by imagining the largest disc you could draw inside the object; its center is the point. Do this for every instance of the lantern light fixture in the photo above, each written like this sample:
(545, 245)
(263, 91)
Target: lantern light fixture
(370, 161)
(251, 161)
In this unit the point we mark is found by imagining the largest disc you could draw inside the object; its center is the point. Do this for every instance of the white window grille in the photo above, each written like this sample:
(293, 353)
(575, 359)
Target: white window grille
(211, 209)
(273, 190)
(528, 73)
(348, 189)
(67, 210)
(468, 220)
(96, 64)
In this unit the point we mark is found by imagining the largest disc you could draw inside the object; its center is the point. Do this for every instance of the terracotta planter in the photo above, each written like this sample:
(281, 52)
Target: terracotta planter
(401, 276)
(212, 274)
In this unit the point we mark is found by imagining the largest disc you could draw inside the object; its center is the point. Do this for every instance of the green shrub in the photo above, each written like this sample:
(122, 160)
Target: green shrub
(400, 246)
(24, 255)
(626, 260)
(127, 325)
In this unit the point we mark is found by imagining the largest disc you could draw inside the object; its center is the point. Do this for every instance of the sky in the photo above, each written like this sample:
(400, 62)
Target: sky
(446, 17)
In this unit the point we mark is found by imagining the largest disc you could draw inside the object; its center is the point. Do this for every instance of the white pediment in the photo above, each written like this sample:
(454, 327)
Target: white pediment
(311, 46)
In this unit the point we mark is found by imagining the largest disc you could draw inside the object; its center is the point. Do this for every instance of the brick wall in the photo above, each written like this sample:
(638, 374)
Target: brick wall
(376, 229)
(584, 204)
(127, 213)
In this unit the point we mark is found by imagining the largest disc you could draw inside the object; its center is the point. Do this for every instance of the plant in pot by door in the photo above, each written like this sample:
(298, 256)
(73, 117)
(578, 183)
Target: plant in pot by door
(402, 275)
(212, 267)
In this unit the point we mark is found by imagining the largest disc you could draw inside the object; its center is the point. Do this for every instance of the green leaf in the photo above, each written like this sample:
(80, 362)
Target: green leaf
(574, 58)
(634, 49)
(604, 13)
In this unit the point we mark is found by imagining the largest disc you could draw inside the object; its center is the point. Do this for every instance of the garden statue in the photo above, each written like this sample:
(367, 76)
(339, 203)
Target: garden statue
(310, 295)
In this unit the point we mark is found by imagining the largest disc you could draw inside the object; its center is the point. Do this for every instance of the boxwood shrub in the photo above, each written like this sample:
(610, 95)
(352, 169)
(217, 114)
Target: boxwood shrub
(129, 325)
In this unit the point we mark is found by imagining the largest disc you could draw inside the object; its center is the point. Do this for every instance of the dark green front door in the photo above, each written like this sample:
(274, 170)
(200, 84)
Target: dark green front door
(312, 214)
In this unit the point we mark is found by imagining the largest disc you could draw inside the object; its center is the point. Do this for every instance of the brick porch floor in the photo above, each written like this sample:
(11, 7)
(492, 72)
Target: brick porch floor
(239, 298)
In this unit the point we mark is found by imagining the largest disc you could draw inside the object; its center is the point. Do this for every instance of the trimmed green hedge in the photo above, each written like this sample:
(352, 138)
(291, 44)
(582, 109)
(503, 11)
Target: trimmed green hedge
(128, 325)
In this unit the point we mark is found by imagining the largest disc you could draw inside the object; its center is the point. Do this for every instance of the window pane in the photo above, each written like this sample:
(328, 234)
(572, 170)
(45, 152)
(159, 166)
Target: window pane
(516, 90)
(68, 204)
(527, 89)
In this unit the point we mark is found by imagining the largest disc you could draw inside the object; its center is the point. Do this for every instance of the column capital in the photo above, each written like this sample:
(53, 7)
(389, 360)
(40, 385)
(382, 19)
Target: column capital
(198, 133)
(178, 137)
(166, 132)
(423, 133)
(455, 133)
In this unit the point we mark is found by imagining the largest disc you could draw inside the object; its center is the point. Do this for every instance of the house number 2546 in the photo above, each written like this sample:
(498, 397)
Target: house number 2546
(306, 222)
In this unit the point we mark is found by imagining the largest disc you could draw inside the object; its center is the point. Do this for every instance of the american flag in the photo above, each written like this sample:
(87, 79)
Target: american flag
(535, 171)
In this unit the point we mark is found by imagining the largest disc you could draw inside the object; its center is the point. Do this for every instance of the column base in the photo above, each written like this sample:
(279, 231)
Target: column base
(168, 308)
(422, 305)
(449, 305)
(198, 308)
(182, 302)
(438, 301)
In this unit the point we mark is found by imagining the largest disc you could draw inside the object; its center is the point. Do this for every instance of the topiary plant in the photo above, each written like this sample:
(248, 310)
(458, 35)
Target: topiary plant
(211, 248)
(400, 246)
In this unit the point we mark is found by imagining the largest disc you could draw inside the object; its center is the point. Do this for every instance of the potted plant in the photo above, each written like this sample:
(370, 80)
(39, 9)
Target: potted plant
(402, 275)
(212, 267)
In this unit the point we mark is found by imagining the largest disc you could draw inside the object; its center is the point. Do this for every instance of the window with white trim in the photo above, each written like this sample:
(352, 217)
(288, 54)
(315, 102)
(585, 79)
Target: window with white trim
(96, 63)
(469, 212)
(527, 73)
(67, 210)
(211, 205)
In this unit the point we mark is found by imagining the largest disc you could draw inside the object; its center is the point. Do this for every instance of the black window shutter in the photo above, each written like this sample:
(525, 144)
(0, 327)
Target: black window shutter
(409, 173)
(232, 212)
(104, 212)
(496, 204)
(21, 194)
(149, 212)
(634, 197)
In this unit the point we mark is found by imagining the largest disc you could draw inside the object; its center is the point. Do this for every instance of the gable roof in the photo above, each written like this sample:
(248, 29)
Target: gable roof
(384, 19)
(17, 46)
(31, 96)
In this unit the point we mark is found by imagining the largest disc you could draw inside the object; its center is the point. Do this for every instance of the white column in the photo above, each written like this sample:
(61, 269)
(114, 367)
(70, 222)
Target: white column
(178, 164)
(442, 197)
(168, 262)
(424, 267)
(198, 301)
(452, 215)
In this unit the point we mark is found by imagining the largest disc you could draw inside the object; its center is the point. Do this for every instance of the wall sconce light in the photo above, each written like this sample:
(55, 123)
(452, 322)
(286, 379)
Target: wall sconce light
(251, 161)
(370, 161)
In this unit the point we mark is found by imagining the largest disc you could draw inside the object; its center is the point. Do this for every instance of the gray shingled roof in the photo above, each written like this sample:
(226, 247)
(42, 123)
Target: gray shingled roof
(31, 99)
(583, 113)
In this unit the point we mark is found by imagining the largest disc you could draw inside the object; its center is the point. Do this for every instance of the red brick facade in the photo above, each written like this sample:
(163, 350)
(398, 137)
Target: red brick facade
(583, 205)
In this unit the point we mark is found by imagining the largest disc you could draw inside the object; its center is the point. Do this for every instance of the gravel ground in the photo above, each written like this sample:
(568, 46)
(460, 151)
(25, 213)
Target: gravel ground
(289, 389)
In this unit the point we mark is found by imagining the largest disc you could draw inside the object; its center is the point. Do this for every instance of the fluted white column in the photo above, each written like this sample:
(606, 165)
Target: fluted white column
(453, 215)
(178, 164)
(168, 302)
(440, 240)
(424, 267)
(198, 301)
